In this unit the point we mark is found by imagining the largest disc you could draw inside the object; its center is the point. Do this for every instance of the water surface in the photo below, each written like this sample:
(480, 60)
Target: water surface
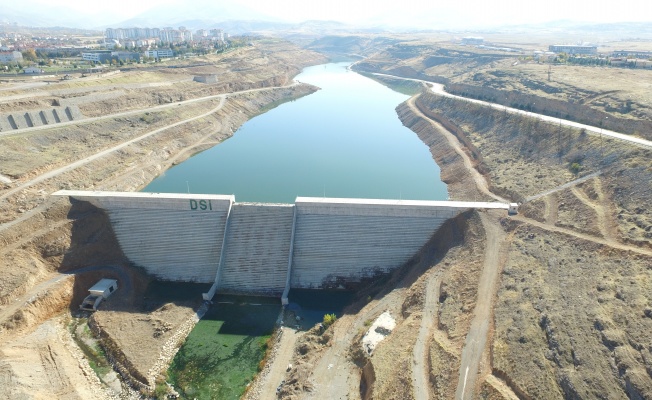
(343, 141)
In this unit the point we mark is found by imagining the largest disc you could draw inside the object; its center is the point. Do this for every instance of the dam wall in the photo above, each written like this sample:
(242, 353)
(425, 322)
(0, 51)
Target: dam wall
(255, 248)
(339, 242)
(173, 237)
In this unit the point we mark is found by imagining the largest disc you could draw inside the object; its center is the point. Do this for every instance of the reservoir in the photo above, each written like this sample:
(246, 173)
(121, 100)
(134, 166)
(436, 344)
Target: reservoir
(345, 140)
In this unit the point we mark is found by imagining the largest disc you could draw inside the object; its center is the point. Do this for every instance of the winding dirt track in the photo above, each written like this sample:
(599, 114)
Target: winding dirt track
(439, 89)
(110, 150)
(21, 131)
(281, 360)
(476, 339)
(420, 368)
(84, 161)
(479, 180)
(583, 236)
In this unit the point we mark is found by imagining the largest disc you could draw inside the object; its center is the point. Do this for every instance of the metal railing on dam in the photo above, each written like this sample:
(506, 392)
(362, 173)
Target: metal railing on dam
(269, 248)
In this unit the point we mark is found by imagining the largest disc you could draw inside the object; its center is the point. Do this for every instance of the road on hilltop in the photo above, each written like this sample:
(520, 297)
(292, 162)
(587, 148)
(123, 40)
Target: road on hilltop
(438, 88)
(139, 111)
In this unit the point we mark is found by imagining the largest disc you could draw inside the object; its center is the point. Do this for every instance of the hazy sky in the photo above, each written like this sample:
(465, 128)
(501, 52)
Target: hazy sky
(458, 13)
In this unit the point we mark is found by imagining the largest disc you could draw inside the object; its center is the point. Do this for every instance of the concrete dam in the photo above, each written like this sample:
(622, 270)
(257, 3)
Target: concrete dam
(268, 249)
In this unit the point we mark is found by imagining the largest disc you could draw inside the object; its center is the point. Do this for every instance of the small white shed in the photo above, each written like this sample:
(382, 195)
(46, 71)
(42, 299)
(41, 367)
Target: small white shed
(98, 292)
(32, 70)
(513, 209)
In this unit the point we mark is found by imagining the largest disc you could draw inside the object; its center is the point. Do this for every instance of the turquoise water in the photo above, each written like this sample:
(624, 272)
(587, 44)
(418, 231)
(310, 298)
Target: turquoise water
(343, 141)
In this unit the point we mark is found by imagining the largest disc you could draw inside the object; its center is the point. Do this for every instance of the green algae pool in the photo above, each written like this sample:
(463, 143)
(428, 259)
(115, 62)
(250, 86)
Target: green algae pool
(222, 353)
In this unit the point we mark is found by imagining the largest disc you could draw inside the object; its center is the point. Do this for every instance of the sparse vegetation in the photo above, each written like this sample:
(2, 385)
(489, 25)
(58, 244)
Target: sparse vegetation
(94, 353)
(329, 319)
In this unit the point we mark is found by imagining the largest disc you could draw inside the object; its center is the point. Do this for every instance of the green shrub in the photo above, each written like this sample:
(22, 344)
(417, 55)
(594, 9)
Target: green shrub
(329, 319)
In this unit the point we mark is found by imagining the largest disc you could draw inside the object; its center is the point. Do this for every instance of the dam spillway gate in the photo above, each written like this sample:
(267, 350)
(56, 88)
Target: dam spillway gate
(261, 248)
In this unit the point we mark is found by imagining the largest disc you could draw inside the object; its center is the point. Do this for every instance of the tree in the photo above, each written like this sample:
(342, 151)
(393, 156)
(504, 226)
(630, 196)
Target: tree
(29, 55)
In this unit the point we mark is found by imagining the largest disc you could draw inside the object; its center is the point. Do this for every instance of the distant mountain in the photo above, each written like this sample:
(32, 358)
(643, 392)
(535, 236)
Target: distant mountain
(193, 15)
(351, 45)
(30, 13)
(247, 26)
(569, 27)
(237, 18)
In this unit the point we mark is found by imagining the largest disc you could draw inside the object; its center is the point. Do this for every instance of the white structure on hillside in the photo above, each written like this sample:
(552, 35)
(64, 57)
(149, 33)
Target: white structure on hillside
(98, 293)
(33, 70)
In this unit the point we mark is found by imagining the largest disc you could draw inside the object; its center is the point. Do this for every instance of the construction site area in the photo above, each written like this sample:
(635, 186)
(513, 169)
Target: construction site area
(549, 300)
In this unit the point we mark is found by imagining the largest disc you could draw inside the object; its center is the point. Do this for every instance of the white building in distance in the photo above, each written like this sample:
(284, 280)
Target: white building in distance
(160, 53)
(10, 56)
(573, 49)
(33, 70)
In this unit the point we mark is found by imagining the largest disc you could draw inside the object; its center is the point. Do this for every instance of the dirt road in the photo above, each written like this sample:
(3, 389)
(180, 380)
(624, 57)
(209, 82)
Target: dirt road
(79, 163)
(139, 111)
(420, 369)
(439, 89)
(476, 339)
(50, 354)
(56, 279)
(281, 360)
(103, 153)
(583, 236)
(31, 296)
(478, 179)
(564, 186)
